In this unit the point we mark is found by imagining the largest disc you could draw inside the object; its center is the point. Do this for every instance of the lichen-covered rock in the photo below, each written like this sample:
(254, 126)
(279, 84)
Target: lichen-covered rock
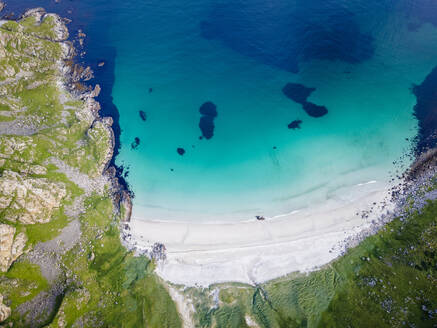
(7, 233)
(10, 248)
(27, 199)
(18, 246)
(5, 311)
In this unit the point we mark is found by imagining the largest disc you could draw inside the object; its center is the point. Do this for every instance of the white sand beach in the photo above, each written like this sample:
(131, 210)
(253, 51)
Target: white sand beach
(200, 254)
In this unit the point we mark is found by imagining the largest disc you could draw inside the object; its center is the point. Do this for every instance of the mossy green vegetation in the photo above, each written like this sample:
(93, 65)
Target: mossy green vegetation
(394, 279)
(24, 281)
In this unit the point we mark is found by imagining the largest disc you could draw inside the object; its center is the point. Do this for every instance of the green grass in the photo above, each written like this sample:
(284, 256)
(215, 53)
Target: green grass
(397, 285)
(121, 290)
(22, 282)
(46, 231)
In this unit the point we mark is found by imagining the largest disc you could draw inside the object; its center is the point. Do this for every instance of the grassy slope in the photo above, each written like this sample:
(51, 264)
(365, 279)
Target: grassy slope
(114, 287)
(105, 285)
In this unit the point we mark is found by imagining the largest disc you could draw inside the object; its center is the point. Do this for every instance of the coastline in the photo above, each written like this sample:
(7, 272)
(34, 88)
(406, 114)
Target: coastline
(252, 252)
(301, 240)
(71, 269)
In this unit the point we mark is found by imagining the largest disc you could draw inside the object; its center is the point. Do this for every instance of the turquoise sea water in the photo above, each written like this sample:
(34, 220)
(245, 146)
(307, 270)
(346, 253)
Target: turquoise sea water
(237, 173)
(170, 57)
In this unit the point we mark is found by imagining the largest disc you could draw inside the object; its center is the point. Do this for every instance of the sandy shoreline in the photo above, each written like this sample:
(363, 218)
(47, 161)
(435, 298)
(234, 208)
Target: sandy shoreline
(200, 254)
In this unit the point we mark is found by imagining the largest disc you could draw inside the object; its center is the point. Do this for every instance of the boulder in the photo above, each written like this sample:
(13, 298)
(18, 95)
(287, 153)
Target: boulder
(11, 246)
(5, 311)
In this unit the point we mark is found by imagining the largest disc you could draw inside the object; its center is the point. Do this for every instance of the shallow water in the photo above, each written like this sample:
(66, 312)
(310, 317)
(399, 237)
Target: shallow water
(167, 58)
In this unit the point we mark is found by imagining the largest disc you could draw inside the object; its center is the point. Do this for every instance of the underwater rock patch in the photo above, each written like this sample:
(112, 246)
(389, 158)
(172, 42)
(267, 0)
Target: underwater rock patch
(425, 111)
(143, 115)
(181, 151)
(135, 143)
(295, 124)
(206, 124)
(314, 110)
(286, 35)
(299, 94)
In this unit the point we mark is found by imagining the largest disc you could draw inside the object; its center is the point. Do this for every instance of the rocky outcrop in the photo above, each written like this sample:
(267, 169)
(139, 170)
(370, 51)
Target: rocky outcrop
(29, 200)
(426, 162)
(5, 311)
(126, 203)
(2, 5)
(60, 31)
(80, 73)
(11, 246)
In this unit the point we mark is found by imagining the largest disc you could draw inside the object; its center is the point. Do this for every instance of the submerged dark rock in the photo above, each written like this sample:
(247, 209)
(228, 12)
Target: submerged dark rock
(135, 143)
(143, 115)
(206, 123)
(295, 124)
(314, 110)
(208, 109)
(285, 35)
(299, 94)
(181, 151)
(425, 111)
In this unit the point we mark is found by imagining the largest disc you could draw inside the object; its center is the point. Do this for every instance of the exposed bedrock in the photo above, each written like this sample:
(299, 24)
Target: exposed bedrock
(11, 246)
(29, 200)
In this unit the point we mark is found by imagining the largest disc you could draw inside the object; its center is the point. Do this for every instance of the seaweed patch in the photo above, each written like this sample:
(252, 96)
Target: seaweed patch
(143, 115)
(135, 143)
(206, 124)
(295, 124)
(180, 151)
(288, 36)
(299, 94)
(425, 111)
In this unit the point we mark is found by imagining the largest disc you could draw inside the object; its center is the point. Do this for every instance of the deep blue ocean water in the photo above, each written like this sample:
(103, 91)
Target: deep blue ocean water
(231, 109)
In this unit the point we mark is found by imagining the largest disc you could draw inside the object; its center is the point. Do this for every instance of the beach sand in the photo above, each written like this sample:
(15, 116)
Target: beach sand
(201, 254)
